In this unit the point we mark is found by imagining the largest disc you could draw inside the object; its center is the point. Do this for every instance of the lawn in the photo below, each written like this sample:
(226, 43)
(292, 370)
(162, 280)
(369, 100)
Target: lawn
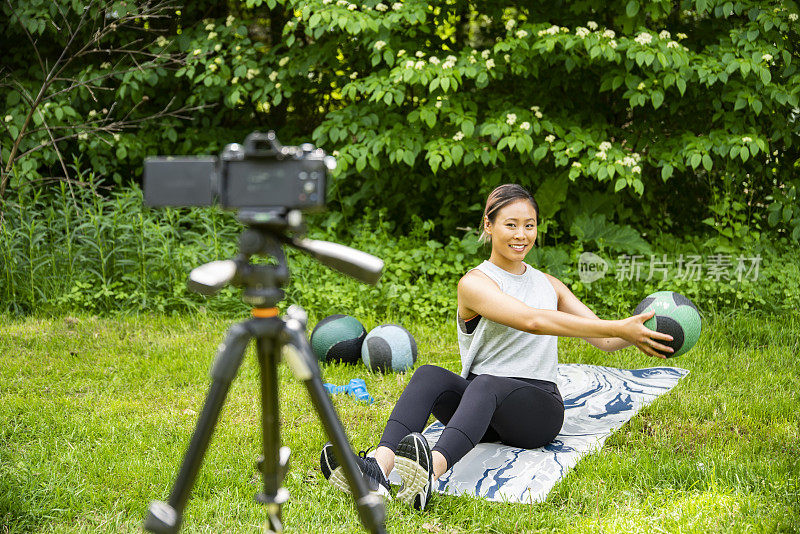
(95, 415)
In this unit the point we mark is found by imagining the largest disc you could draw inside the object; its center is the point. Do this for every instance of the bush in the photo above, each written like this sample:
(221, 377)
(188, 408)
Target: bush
(106, 253)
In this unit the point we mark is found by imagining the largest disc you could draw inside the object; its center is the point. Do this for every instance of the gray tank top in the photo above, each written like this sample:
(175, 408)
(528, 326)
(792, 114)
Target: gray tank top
(500, 350)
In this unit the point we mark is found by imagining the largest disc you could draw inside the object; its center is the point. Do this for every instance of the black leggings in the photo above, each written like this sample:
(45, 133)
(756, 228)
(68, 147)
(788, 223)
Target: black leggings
(520, 412)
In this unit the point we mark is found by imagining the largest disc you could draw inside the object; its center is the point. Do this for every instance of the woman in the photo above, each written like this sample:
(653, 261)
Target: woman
(509, 317)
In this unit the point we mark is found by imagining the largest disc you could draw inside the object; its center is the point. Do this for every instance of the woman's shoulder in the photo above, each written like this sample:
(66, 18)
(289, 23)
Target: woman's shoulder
(476, 278)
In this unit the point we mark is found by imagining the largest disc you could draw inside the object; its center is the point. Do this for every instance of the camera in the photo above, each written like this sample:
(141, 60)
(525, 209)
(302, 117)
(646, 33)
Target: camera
(258, 174)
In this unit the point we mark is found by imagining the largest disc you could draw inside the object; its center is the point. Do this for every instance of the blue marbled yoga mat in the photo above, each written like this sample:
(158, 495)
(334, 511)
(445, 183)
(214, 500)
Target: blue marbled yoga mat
(598, 400)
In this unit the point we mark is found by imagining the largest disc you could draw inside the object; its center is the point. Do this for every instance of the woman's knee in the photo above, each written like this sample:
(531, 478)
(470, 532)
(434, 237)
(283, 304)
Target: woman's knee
(427, 373)
(484, 383)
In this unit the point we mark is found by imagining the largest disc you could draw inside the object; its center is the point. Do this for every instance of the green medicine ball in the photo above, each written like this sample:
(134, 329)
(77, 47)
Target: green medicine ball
(675, 315)
(338, 338)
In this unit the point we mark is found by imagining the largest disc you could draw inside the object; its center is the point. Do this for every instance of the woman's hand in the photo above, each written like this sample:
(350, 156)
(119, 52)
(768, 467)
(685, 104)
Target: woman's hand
(633, 330)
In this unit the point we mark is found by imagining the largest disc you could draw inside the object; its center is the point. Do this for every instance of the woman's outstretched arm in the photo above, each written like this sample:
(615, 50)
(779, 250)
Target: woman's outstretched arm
(569, 303)
(478, 294)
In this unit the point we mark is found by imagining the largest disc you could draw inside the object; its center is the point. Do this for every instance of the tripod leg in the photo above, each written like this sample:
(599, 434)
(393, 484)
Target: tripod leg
(166, 517)
(274, 463)
(301, 360)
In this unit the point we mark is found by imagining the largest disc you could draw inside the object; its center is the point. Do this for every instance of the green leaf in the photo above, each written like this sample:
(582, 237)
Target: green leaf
(445, 83)
(680, 83)
(695, 160)
(766, 77)
(707, 163)
(658, 98)
(757, 106)
(632, 8)
(621, 183)
(468, 128)
(666, 172)
(744, 154)
(540, 153)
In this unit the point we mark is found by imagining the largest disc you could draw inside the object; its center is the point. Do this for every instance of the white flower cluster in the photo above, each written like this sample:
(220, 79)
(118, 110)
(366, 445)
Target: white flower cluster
(550, 138)
(409, 64)
(630, 161)
(251, 73)
(793, 17)
(212, 67)
(381, 7)
(352, 7)
(601, 154)
(458, 136)
(681, 35)
(485, 54)
(525, 126)
(273, 75)
(511, 118)
(434, 60)
(581, 32)
(521, 34)
(209, 26)
(490, 64)
(283, 61)
(664, 35)
(116, 136)
(195, 52)
(641, 86)
(510, 24)
(419, 65)
(217, 47)
(401, 52)
(397, 6)
(449, 62)
(342, 3)
(83, 136)
(353, 75)
(747, 139)
(212, 35)
(162, 41)
(673, 44)
(552, 30)
(419, 53)
(605, 145)
(536, 112)
(379, 45)
(9, 118)
(229, 20)
(612, 43)
(326, 2)
(767, 57)
(636, 170)
(592, 25)
(438, 103)
(644, 38)
(577, 164)
(107, 65)
(609, 34)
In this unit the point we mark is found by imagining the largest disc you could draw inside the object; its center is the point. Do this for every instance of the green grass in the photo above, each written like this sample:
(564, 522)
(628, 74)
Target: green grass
(95, 415)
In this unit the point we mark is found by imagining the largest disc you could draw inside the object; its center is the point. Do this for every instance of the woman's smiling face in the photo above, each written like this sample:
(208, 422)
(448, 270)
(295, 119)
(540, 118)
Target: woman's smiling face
(513, 231)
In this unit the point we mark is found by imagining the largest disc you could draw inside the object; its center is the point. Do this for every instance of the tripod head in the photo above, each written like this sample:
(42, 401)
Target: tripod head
(266, 232)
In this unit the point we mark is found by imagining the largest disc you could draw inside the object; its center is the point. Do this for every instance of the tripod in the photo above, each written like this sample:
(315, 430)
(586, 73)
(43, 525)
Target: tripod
(276, 337)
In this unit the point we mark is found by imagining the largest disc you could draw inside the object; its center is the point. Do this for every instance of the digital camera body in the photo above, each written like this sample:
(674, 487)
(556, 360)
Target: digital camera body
(260, 174)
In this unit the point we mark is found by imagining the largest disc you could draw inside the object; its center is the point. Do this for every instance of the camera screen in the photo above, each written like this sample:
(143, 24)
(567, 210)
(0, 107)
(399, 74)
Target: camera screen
(267, 183)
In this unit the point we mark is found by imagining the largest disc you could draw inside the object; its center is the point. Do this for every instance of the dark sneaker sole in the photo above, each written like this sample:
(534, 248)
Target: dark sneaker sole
(414, 463)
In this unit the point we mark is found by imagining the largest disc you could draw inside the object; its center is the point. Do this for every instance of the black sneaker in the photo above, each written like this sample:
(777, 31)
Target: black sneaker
(414, 462)
(370, 470)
